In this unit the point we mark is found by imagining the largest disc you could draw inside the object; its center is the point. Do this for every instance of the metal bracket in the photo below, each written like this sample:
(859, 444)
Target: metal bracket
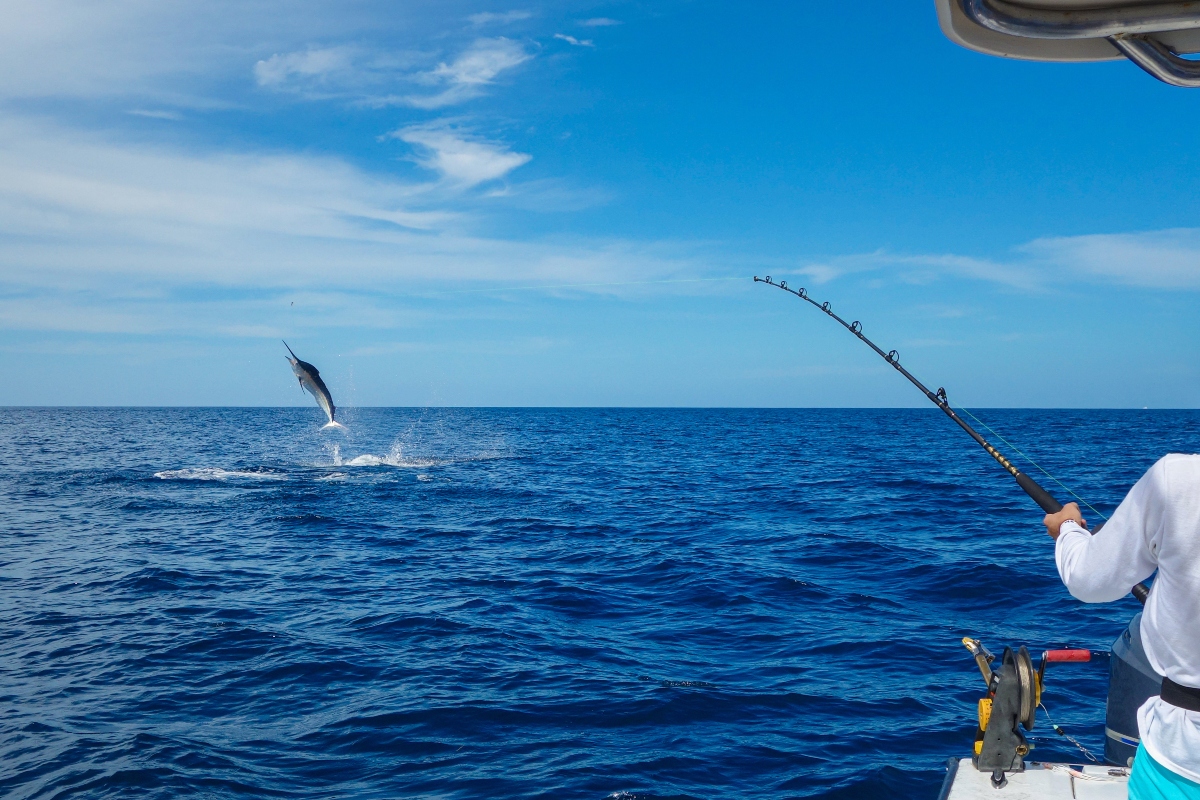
(1158, 60)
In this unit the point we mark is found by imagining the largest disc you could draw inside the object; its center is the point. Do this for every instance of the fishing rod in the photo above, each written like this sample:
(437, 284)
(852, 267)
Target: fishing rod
(938, 398)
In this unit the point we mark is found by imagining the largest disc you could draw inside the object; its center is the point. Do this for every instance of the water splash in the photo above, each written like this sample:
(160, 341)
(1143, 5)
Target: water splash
(395, 458)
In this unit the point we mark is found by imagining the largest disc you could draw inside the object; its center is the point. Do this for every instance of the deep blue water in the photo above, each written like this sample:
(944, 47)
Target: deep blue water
(462, 603)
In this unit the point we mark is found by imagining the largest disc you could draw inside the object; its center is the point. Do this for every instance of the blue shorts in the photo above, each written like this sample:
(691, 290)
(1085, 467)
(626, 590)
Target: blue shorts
(1152, 781)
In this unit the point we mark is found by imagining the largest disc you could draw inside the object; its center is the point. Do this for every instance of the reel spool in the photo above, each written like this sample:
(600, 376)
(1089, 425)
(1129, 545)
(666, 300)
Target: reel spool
(1029, 684)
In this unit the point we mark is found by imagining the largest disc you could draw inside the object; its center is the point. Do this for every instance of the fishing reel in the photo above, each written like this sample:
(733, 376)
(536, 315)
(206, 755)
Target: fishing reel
(1014, 692)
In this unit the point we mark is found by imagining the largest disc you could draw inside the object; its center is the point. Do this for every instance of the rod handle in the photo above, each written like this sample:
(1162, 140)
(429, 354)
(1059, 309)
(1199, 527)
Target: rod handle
(1039, 495)
(1064, 656)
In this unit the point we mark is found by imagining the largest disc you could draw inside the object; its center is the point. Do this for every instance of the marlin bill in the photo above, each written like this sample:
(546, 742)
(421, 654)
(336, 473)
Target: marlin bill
(310, 380)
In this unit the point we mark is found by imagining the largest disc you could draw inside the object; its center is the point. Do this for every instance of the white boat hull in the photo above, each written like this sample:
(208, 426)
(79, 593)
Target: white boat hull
(1039, 781)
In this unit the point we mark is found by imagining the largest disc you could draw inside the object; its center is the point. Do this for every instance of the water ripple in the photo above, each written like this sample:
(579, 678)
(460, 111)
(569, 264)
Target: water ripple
(462, 603)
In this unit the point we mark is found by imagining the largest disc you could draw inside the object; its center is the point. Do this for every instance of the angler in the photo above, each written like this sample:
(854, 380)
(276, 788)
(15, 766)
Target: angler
(1156, 661)
(1156, 527)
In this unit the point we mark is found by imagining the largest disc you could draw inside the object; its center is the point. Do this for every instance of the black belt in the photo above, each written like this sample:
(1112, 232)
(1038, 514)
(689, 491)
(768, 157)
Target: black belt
(1181, 696)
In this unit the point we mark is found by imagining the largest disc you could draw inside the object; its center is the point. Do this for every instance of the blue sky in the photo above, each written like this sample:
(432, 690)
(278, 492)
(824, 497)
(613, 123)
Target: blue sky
(453, 203)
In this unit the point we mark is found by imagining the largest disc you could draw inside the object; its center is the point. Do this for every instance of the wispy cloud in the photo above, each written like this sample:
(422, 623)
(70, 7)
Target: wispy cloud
(599, 22)
(75, 188)
(177, 55)
(466, 76)
(574, 41)
(498, 18)
(308, 65)
(98, 235)
(375, 78)
(459, 157)
(1167, 259)
(174, 116)
(917, 269)
(197, 55)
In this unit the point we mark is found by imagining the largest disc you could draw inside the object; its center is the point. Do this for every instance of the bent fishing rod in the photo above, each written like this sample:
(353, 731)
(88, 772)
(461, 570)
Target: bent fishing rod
(938, 398)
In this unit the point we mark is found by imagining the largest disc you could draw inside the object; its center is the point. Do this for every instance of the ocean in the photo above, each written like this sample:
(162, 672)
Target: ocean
(533, 603)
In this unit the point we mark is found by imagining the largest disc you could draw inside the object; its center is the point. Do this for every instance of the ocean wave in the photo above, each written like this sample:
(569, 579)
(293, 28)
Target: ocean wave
(218, 474)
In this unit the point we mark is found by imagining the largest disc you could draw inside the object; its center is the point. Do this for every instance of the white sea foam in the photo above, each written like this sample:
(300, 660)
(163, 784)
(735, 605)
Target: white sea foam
(394, 458)
(217, 474)
(332, 477)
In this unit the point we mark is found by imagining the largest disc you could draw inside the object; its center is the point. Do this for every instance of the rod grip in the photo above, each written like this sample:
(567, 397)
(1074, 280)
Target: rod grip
(1039, 495)
(1057, 656)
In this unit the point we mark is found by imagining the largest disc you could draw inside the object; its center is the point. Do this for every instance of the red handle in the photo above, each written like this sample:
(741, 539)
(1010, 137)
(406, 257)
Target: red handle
(1067, 655)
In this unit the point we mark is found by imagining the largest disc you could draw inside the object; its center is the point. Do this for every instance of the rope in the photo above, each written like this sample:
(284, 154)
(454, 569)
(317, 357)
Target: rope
(1066, 488)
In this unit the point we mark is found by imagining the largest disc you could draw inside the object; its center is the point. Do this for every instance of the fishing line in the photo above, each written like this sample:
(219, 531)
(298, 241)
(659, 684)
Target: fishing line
(1066, 488)
(1069, 737)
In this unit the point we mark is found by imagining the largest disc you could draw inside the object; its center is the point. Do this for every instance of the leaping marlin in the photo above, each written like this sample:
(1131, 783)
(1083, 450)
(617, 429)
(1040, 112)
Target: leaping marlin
(310, 380)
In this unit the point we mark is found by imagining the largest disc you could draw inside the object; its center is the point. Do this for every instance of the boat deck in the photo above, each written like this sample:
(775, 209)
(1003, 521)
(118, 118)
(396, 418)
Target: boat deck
(1039, 781)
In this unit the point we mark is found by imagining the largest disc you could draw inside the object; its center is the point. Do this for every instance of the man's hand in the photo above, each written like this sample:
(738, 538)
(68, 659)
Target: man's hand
(1070, 511)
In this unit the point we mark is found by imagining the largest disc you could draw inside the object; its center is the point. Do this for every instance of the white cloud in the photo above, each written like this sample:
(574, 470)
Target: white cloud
(1015, 273)
(1168, 259)
(371, 77)
(574, 41)
(174, 116)
(501, 18)
(60, 187)
(466, 76)
(181, 54)
(97, 235)
(305, 65)
(482, 62)
(197, 55)
(820, 273)
(599, 22)
(458, 157)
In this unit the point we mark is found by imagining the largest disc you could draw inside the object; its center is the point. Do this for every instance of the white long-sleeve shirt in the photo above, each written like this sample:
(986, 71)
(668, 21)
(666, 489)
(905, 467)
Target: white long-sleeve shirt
(1157, 526)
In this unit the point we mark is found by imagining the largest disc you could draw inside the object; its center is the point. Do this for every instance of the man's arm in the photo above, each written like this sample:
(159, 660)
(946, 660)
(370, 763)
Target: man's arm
(1103, 567)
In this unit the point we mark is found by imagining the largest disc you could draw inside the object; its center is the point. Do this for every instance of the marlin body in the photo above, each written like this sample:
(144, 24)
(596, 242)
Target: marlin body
(310, 381)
